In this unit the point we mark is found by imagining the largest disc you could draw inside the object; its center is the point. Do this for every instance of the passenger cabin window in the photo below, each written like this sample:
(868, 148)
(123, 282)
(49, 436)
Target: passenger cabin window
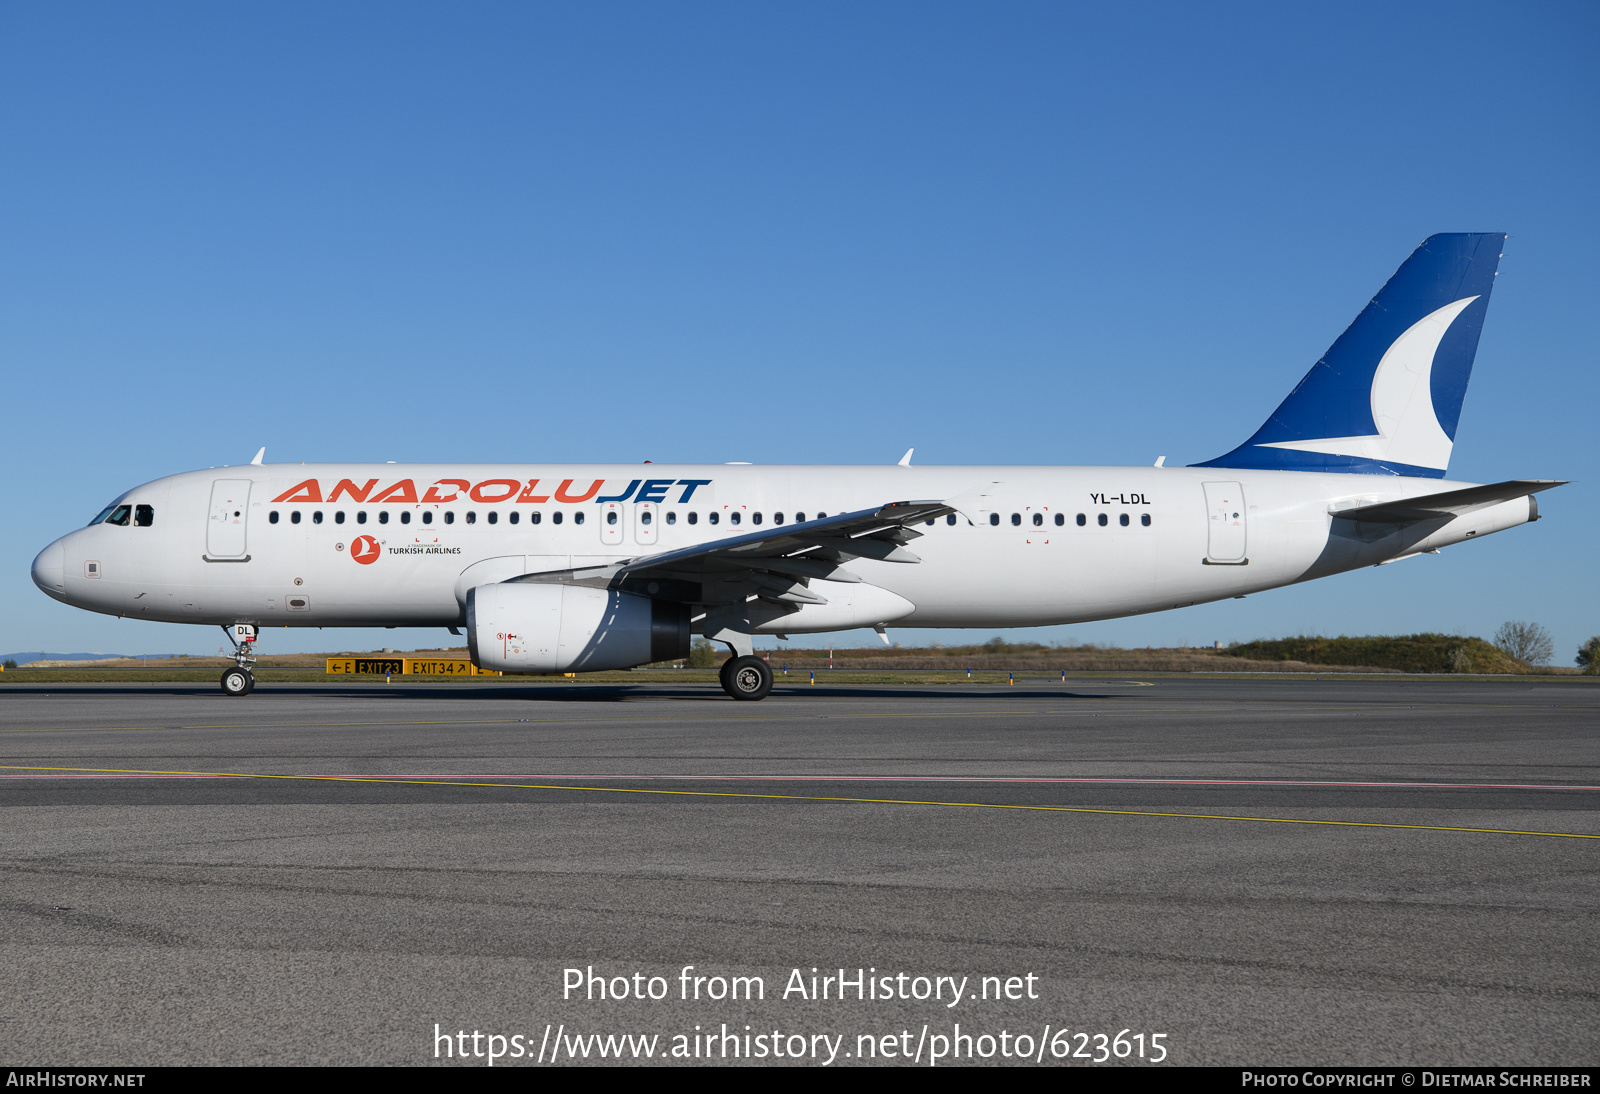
(694, 518)
(1101, 519)
(272, 517)
(294, 517)
(672, 516)
(513, 516)
(994, 518)
(799, 518)
(1038, 520)
(534, 517)
(1123, 520)
(143, 516)
(1082, 520)
(555, 518)
(316, 517)
(449, 516)
(611, 517)
(1061, 518)
(494, 518)
(405, 518)
(950, 519)
(755, 518)
(472, 517)
(577, 518)
(1145, 520)
(427, 516)
(733, 518)
(383, 516)
(361, 517)
(338, 517)
(821, 516)
(777, 518)
(712, 518)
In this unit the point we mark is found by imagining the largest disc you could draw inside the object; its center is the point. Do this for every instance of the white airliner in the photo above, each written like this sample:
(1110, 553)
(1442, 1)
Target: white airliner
(556, 568)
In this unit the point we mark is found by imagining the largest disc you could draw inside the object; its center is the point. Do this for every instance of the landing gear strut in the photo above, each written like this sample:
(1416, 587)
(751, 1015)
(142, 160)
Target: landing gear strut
(747, 678)
(239, 680)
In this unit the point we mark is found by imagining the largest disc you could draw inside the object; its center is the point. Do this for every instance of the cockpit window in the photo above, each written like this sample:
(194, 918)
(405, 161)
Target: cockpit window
(143, 516)
(119, 515)
(102, 515)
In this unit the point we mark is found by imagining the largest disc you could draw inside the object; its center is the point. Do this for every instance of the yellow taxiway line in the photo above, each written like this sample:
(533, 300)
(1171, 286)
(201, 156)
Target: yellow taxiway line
(808, 798)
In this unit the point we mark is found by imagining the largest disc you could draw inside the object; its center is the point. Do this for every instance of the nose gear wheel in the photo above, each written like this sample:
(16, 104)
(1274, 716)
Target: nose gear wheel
(238, 681)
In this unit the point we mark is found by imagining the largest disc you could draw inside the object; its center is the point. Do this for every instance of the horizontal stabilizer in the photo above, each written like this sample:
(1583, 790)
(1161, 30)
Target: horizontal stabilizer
(1448, 504)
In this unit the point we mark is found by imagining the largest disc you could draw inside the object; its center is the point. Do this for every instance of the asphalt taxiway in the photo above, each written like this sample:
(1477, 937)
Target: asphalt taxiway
(1266, 871)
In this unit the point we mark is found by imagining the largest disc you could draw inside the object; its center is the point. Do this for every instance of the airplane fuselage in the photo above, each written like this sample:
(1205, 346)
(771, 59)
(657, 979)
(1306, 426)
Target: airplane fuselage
(363, 545)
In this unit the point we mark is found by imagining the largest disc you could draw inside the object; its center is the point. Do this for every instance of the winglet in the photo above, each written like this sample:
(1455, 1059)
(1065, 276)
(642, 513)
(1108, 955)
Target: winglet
(905, 461)
(257, 461)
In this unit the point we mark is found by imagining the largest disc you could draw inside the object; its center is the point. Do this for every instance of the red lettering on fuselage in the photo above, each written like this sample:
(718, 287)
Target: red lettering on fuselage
(508, 486)
(347, 487)
(402, 491)
(433, 491)
(562, 495)
(310, 490)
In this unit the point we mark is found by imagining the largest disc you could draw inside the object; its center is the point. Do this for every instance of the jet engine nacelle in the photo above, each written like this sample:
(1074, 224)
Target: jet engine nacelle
(534, 627)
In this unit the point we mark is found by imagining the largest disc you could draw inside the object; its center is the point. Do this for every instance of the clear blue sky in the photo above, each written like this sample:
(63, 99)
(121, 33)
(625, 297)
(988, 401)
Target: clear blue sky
(1024, 233)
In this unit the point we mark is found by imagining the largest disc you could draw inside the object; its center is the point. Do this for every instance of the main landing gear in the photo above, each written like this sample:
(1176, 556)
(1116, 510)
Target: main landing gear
(239, 680)
(747, 678)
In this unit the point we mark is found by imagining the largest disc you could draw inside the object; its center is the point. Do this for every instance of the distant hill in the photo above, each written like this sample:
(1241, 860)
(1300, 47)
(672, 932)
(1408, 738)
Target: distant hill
(1399, 653)
(41, 655)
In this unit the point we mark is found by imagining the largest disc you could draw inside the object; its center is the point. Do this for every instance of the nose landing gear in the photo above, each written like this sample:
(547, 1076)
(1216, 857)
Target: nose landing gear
(239, 680)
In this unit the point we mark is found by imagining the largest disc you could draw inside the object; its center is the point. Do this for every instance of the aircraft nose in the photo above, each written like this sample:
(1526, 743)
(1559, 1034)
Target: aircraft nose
(50, 570)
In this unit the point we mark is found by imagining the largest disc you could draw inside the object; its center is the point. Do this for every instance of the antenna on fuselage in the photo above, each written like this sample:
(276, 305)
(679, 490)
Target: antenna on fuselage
(257, 461)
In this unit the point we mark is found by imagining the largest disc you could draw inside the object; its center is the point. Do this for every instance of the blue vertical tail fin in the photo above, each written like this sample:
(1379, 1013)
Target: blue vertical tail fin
(1386, 397)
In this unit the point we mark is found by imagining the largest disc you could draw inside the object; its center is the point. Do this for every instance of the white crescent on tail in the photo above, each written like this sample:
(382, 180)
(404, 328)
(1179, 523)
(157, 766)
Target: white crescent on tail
(1402, 402)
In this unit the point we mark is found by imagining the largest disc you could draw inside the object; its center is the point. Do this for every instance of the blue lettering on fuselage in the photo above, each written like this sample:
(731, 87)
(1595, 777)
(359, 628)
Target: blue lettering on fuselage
(689, 486)
(654, 490)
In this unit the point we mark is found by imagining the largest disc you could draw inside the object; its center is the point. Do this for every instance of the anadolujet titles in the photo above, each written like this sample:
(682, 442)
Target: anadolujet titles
(557, 568)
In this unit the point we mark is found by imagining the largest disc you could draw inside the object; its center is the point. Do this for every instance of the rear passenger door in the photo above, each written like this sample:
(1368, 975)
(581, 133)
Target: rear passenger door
(1225, 523)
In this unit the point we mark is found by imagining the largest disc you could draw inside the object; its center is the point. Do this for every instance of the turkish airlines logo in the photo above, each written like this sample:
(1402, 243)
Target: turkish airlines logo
(364, 549)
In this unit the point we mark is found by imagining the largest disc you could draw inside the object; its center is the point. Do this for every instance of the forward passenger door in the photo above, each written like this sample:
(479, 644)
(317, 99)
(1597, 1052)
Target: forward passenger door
(225, 528)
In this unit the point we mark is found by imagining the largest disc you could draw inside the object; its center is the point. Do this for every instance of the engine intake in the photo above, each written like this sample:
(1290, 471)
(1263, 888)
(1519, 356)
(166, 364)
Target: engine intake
(532, 627)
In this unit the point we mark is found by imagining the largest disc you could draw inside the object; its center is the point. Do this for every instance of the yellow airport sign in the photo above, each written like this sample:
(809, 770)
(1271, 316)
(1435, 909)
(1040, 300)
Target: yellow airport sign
(405, 666)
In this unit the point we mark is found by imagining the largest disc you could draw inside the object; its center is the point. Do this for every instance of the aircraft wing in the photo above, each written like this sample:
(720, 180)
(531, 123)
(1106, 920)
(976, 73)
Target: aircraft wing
(1447, 504)
(775, 564)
